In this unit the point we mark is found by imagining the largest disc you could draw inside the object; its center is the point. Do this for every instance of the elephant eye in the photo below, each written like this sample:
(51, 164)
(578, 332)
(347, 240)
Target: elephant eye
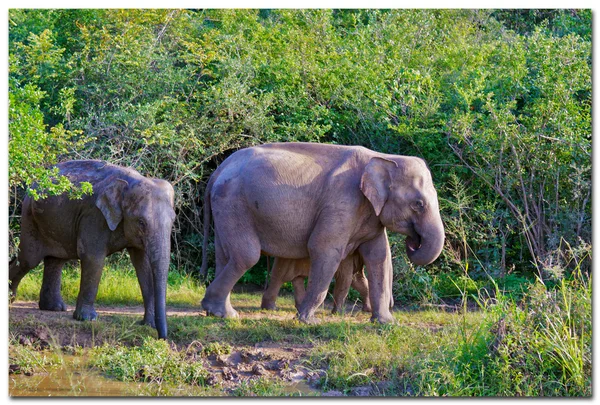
(142, 223)
(418, 205)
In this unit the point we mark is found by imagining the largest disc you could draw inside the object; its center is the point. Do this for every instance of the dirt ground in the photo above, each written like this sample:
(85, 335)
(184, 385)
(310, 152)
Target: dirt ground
(279, 361)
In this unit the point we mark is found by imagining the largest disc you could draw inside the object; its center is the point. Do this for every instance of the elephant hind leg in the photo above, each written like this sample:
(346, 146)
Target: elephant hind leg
(50, 298)
(216, 300)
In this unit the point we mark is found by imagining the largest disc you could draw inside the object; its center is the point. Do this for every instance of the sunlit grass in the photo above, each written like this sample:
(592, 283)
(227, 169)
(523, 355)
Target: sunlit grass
(118, 286)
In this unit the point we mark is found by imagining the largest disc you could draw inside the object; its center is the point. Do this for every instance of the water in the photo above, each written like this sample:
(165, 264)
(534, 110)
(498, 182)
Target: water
(68, 381)
(300, 387)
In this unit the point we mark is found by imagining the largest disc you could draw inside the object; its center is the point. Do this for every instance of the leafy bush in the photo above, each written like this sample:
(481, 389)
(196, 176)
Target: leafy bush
(498, 102)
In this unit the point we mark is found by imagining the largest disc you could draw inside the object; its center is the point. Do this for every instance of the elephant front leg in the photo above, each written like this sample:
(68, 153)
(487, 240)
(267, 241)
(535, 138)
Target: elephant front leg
(377, 257)
(91, 270)
(50, 297)
(143, 270)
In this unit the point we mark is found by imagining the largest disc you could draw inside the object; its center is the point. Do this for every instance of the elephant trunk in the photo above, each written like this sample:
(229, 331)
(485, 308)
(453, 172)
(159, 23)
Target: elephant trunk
(427, 243)
(160, 270)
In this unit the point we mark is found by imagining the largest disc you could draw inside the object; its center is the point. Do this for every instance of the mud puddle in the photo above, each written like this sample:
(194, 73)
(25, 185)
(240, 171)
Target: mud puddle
(68, 380)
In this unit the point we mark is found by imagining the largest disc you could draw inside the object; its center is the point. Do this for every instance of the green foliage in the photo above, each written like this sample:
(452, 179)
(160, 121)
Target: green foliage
(28, 360)
(498, 102)
(31, 148)
(216, 348)
(153, 361)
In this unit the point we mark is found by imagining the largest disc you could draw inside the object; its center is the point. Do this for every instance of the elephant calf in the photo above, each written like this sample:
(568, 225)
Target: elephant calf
(349, 273)
(126, 210)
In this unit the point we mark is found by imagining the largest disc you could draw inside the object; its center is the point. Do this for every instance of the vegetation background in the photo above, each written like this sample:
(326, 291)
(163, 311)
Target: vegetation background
(498, 102)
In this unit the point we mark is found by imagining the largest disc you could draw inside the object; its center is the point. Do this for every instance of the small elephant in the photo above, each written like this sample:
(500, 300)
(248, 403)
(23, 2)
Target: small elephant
(126, 210)
(349, 273)
(322, 202)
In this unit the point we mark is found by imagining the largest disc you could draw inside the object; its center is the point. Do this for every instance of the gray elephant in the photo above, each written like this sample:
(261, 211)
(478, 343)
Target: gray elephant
(126, 210)
(323, 202)
(349, 273)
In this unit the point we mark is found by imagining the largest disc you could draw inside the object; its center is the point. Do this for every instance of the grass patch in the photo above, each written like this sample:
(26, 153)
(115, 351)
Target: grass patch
(538, 346)
(525, 339)
(261, 387)
(118, 286)
(153, 361)
(384, 353)
(26, 360)
(246, 331)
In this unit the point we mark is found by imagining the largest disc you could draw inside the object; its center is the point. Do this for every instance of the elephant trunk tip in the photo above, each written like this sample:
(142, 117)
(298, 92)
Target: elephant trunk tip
(413, 244)
(161, 327)
(160, 275)
(422, 251)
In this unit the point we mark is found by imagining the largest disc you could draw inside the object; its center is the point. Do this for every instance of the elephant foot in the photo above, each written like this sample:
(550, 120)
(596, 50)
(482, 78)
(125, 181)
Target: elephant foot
(366, 308)
(308, 319)
(383, 318)
(270, 305)
(12, 291)
(219, 309)
(338, 310)
(57, 305)
(148, 321)
(85, 314)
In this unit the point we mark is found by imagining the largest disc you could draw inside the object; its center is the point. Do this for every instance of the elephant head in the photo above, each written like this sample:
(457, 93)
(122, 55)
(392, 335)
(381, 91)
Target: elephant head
(145, 209)
(401, 191)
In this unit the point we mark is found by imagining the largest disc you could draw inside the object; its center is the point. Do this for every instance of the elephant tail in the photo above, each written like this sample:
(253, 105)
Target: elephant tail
(206, 225)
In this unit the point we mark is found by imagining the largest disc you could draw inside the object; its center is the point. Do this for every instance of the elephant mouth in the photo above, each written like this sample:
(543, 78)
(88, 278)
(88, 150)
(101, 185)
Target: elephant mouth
(413, 243)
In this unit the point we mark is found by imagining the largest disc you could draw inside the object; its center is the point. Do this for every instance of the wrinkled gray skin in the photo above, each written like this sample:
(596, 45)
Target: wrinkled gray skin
(323, 202)
(350, 273)
(126, 210)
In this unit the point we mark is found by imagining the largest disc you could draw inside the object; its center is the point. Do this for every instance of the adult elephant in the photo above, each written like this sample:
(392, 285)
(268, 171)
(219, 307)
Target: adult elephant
(323, 202)
(349, 273)
(126, 210)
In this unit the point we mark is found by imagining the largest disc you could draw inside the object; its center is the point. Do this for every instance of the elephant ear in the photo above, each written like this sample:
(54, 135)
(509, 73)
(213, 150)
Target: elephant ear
(110, 201)
(376, 180)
